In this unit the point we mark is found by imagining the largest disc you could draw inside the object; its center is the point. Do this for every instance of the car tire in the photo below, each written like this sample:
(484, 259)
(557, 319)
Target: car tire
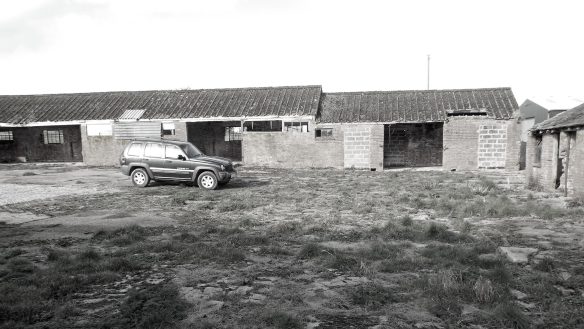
(207, 180)
(140, 177)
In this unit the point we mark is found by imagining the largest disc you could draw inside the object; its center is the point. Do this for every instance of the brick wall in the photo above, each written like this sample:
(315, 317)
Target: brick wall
(357, 146)
(293, 149)
(492, 145)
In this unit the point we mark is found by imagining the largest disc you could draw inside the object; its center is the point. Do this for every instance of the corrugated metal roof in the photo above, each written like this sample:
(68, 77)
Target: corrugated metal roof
(162, 104)
(416, 105)
(570, 118)
(557, 102)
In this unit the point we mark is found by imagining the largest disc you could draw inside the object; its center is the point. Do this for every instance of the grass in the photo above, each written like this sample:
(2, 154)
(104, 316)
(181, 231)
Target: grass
(354, 242)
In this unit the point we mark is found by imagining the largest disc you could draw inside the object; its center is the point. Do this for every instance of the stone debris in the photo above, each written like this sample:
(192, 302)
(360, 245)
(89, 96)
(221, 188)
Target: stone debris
(519, 255)
(518, 294)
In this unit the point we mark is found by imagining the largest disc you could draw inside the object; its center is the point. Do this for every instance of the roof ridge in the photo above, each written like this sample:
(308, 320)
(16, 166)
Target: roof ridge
(164, 90)
(412, 90)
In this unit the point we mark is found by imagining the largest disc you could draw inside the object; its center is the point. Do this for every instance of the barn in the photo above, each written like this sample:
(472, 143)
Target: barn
(555, 153)
(289, 127)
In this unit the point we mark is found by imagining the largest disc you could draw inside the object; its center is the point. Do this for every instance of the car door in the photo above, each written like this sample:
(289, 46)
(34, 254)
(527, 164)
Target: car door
(154, 157)
(176, 162)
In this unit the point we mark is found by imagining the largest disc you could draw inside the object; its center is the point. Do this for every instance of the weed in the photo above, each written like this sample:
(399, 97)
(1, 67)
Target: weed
(281, 320)
(122, 236)
(310, 250)
(407, 220)
(547, 264)
(156, 306)
(510, 316)
(483, 290)
(29, 173)
(371, 295)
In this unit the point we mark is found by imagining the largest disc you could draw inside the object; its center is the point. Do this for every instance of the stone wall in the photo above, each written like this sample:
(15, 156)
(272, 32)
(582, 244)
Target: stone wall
(576, 165)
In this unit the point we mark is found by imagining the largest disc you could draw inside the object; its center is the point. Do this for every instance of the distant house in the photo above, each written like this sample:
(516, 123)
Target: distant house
(555, 153)
(293, 127)
(535, 110)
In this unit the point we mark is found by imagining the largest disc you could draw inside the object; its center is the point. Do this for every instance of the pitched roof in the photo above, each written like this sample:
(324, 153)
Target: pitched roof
(162, 104)
(416, 105)
(557, 103)
(570, 118)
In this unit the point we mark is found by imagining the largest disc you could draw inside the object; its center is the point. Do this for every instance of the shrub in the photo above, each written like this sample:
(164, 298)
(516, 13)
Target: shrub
(483, 290)
(310, 250)
(281, 320)
(510, 316)
(407, 220)
(156, 306)
(371, 295)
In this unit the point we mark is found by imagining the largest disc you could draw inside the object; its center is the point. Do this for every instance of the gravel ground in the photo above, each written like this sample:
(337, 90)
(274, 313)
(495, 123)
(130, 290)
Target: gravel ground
(15, 193)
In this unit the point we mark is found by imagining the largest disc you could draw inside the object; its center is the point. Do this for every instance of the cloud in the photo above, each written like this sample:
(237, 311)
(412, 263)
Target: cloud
(31, 29)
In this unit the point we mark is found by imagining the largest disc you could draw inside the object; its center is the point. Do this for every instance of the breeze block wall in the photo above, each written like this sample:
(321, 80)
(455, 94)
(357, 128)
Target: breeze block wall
(477, 142)
(293, 149)
(576, 165)
(101, 150)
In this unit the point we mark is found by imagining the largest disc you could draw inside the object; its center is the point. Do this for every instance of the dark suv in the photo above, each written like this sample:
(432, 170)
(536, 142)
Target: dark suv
(163, 160)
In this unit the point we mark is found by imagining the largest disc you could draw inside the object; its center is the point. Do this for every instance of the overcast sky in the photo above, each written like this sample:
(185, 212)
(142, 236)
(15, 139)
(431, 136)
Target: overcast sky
(62, 46)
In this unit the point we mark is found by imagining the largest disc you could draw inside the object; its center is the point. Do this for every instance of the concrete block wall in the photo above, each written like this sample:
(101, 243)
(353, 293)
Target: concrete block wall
(543, 174)
(492, 145)
(461, 138)
(376, 147)
(357, 143)
(293, 149)
(101, 150)
(513, 145)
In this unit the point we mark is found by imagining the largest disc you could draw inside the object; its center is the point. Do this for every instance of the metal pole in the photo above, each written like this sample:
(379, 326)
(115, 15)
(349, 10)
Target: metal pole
(428, 72)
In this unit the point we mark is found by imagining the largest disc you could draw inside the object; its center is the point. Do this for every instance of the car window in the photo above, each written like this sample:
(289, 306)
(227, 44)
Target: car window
(173, 151)
(135, 149)
(154, 150)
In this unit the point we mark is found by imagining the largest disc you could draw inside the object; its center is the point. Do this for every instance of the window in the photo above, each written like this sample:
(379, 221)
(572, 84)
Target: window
(324, 132)
(6, 136)
(154, 150)
(262, 126)
(168, 129)
(301, 127)
(173, 151)
(537, 151)
(232, 134)
(99, 129)
(135, 149)
(53, 137)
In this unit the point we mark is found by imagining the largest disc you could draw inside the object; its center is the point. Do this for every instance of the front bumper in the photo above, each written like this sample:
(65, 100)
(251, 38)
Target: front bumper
(225, 176)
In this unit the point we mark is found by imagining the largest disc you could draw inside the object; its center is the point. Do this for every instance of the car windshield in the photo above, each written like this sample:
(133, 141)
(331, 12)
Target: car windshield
(190, 150)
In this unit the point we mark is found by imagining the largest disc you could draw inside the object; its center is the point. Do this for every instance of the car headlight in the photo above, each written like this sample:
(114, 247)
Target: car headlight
(222, 168)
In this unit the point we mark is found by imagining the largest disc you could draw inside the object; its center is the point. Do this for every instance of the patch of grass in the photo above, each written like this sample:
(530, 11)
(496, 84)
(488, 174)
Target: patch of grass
(281, 320)
(379, 251)
(509, 315)
(29, 173)
(371, 295)
(547, 264)
(123, 236)
(156, 306)
(275, 250)
(483, 290)
(440, 232)
(407, 220)
(310, 250)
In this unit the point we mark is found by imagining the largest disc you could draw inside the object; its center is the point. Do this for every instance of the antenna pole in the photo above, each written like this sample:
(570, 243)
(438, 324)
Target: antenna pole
(428, 72)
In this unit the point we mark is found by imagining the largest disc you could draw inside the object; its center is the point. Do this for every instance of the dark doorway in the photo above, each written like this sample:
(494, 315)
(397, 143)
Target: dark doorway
(412, 145)
(220, 138)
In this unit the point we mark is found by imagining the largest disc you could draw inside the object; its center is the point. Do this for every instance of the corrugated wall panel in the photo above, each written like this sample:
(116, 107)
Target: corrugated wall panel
(130, 130)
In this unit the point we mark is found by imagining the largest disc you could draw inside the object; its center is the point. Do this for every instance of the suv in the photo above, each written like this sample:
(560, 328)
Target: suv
(164, 160)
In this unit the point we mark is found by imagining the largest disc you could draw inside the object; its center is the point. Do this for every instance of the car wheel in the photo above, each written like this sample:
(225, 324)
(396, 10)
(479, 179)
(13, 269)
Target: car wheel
(207, 180)
(140, 177)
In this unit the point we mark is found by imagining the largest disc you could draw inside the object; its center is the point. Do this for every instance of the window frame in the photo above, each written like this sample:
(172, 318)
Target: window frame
(537, 154)
(168, 131)
(53, 137)
(9, 136)
(155, 157)
(140, 149)
(318, 133)
(278, 128)
(177, 147)
(289, 126)
(231, 136)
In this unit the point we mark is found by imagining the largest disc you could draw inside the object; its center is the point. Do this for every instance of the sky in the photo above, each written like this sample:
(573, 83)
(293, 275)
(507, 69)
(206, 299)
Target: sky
(68, 46)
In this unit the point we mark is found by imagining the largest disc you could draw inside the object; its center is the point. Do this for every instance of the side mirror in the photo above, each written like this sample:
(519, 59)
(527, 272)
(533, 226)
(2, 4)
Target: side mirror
(181, 157)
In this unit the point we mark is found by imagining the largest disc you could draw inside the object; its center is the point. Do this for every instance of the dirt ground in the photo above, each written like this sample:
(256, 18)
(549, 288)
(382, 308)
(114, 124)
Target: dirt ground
(83, 248)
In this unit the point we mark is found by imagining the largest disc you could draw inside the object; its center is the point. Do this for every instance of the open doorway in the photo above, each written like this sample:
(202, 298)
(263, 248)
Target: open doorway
(412, 145)
(220, 138)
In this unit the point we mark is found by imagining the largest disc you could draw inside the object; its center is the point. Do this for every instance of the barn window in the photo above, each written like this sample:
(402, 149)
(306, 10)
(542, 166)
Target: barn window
(324, 132)
(168, 129)
(232, 134)
(537, 151)
(275, 125)
(53, 137)
(301, 127)
(6, 136)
